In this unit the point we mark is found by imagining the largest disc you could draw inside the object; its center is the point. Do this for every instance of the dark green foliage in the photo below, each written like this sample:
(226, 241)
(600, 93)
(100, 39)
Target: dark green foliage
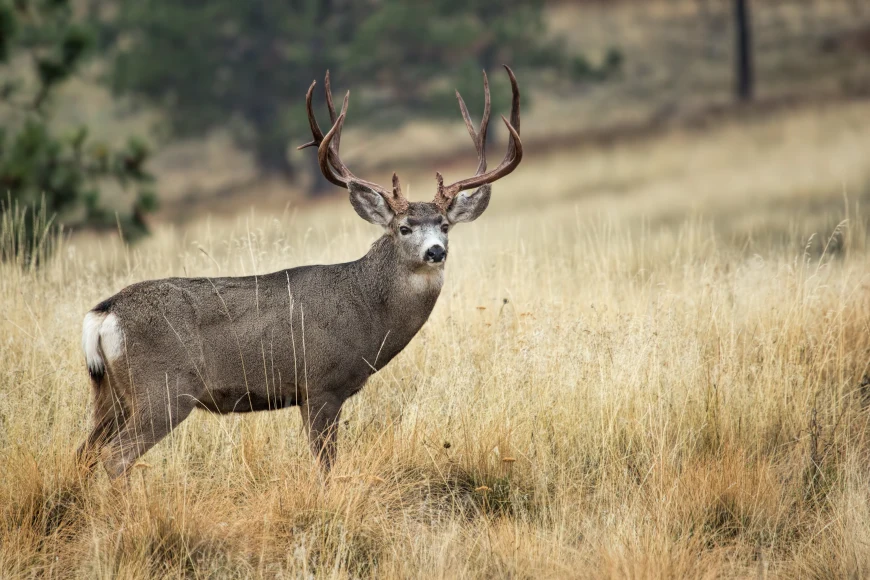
(7, 30)
(41, 45)
(418, 52)
(245, 66)
(225, 64)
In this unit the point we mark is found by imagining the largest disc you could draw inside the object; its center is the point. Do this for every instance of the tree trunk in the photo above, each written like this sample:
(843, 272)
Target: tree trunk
(745, 81)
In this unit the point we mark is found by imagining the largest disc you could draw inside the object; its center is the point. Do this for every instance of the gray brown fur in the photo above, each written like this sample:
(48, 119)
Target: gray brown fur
(307, 337)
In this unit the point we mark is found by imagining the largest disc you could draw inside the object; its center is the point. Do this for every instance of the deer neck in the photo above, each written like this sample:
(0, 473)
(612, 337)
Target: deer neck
(400, 294)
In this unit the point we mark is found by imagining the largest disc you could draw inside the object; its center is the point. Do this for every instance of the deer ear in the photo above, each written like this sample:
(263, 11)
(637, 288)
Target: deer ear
(369, 204)
(468, 205)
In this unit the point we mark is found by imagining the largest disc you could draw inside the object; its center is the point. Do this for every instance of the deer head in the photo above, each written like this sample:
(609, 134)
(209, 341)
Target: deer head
(419, 230)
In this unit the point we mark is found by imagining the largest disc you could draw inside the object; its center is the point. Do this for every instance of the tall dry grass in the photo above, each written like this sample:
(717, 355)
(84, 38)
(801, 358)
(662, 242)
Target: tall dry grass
(678, 387)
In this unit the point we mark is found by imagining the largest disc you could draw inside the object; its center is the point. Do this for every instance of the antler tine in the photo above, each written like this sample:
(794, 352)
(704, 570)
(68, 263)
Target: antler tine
(333, 151)
(328, 158)
(397, 187)
(312, 121)
(479, 138)
(327, 151)
(316, 132)
(512, 158)
(331, 165)
(323, 151)
(325, 155)
(327, 87)
(397, 201)
(515, 114)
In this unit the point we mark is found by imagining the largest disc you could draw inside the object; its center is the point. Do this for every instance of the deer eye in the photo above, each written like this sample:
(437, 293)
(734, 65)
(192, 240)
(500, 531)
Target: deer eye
(404, 230)
(444, 228)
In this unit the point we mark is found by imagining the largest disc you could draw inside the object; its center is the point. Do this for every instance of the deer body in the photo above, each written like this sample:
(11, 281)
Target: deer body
(259, 341)
(308, 336)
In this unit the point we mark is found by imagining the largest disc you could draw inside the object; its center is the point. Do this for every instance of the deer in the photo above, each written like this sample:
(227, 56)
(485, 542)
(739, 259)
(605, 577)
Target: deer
(309, 336)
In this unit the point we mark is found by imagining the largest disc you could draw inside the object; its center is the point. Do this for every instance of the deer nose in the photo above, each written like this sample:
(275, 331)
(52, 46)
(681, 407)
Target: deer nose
(436, 253)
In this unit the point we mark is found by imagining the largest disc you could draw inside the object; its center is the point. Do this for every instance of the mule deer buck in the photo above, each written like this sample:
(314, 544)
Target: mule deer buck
(308, 336)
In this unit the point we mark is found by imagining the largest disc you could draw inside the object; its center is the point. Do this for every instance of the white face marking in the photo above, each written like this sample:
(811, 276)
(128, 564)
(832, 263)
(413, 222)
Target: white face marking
(432, 238)
(422, 238)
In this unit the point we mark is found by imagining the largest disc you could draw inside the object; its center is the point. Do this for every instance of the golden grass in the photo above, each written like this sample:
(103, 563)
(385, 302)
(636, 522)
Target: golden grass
(671, 380)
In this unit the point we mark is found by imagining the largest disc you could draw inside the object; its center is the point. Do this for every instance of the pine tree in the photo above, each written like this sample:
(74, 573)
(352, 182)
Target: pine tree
(245, 66)
(240, 66)
(41, 46)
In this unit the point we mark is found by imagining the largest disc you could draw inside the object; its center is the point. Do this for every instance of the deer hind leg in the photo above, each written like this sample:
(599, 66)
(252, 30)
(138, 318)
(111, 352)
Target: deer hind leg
(109, 417)
(320, 418)
(151, 419)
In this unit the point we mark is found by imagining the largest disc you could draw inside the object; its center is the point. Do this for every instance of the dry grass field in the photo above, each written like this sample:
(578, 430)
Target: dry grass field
(649, 361)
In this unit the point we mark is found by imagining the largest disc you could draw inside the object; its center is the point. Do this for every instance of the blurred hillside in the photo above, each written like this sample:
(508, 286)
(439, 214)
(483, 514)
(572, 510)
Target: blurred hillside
(677, 72)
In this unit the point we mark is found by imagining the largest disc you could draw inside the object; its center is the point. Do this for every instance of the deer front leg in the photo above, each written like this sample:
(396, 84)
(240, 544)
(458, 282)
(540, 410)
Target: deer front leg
(320, 417)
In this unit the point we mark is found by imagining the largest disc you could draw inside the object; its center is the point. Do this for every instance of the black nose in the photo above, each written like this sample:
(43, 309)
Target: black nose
(436, 254)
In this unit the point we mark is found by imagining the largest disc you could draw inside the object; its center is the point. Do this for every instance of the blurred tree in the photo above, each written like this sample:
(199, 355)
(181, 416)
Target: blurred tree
(241, 66)
(745, 84)
(415, 53)
(41, 45)
(245, 66)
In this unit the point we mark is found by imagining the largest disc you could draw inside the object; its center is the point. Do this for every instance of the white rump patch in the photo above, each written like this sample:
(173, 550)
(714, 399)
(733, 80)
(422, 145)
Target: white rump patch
(101, 336)
(112, 337)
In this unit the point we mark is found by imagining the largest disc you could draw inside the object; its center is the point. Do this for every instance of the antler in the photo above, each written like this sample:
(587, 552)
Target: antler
(445, 194)
(331, 165)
